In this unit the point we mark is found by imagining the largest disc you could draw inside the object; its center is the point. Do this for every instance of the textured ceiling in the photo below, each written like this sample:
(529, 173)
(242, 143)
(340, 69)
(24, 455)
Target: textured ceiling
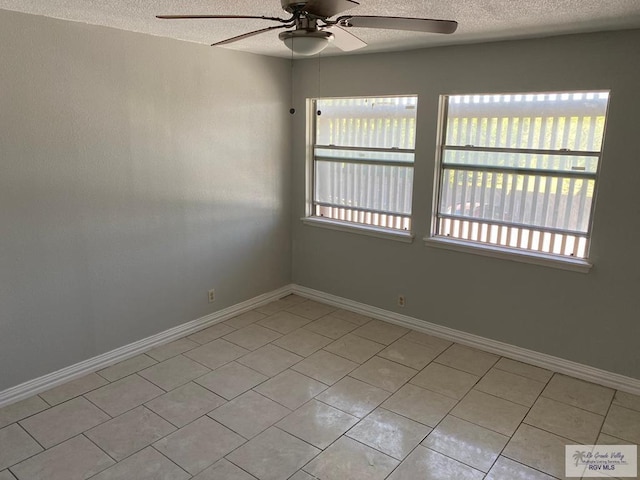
(479, 20)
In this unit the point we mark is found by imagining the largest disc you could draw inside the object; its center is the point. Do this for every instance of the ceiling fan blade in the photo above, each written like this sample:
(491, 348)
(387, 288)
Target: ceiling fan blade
(247, 35)
(344, 40)
(399, 23)
(190, 17)
(328, 8)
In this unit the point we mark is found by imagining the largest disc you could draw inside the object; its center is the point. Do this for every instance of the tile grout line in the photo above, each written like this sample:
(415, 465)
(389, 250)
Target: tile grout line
(275, 425)
(110, 416)
(519, 374)
(521, 421)
(573, 406)
(24, 418)
(101, 449)
(67, 439)
(170, 460)
(50, 407)
(128, 411)
(41, 398)
(151, 445)
(449, 412)
(227, 460)
(391, 394)
(322, 450)
(510, 437)
(529, 466)
(437, 424)
(117, 379)
(146, 380)
(34, 439)
(242, 365)
(289, 408)
(182, 384)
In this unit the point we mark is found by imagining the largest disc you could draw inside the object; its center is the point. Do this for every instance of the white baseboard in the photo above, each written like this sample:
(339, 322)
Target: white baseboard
(556, 364)
(51, 380)
(33, 387)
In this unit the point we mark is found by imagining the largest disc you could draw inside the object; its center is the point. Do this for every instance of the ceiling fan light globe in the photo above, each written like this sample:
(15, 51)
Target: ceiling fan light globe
(308, 43)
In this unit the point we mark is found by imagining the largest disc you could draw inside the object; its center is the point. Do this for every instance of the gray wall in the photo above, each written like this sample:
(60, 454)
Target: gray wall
(136, 173)
(589, 318)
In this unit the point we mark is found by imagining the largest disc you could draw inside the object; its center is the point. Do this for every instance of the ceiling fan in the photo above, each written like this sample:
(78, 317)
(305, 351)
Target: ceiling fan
(313, 29)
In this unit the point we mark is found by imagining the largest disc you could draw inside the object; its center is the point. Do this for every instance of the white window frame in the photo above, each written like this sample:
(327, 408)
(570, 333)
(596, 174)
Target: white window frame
(434, 239)
(311, 219)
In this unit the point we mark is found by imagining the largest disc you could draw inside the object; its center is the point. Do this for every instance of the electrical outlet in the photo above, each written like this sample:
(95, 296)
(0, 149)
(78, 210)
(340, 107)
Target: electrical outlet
(212, 296)
(401, 300)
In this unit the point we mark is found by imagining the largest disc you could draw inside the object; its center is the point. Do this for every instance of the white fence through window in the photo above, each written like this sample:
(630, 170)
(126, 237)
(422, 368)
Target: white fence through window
(363, 160)
(520, 170)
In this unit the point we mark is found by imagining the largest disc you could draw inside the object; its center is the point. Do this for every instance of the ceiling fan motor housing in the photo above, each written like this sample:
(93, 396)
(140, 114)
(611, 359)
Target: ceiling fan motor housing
(292, 5)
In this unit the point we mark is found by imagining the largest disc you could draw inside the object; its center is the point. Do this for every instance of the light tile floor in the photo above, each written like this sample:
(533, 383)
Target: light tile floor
(301, 390)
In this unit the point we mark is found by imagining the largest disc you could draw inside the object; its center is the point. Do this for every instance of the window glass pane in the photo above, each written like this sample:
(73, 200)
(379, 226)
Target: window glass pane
(378, 188)
(531, 239)
(388, 122)
(529, 181)
(363, 155)
(363, 160)
(535, 161)
(546, 121)
(550, 202)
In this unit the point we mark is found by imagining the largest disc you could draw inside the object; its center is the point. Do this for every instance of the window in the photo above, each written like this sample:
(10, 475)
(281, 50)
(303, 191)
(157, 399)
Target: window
(519, 171)
(363, 155)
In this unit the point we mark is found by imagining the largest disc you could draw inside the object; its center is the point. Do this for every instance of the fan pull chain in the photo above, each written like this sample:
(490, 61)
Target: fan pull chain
(292, 110)
(318, 112)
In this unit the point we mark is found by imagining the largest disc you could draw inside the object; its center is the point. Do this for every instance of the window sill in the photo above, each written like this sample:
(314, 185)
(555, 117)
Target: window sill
(360, 229)
(542, 259)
